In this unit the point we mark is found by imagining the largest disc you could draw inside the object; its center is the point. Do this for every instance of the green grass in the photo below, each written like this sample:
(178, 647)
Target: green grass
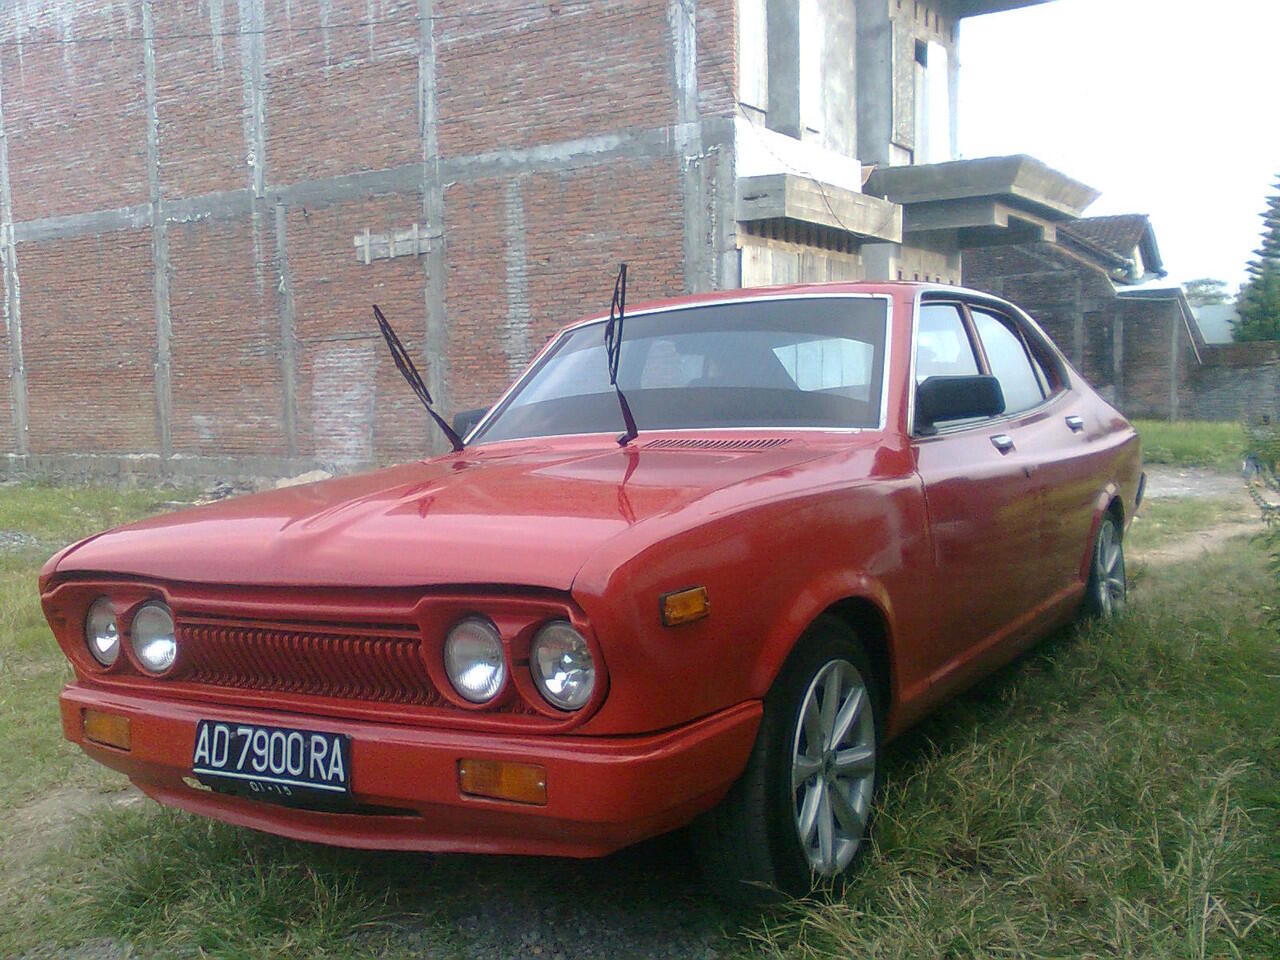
(1114, 793)
(32, 670)
(1193, 443)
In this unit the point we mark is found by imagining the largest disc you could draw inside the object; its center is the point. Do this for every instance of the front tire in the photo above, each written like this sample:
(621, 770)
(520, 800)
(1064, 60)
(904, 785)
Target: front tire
(800, 813)
(1107, 592)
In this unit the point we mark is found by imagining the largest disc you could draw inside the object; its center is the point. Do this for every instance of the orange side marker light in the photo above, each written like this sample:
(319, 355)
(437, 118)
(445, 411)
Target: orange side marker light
(109, 729)
(685, 606)
(503, 780)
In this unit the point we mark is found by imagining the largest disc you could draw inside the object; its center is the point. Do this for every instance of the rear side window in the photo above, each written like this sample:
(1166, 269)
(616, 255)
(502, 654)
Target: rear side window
(942, 345)
(1010, 364)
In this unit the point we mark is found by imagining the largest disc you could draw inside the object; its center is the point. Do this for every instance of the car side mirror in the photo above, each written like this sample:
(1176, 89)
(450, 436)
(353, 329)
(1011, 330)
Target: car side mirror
(956, 398)
(465, 420)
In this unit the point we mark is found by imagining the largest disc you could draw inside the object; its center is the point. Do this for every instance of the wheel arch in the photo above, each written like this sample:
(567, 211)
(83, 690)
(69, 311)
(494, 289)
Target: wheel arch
(863, 606)
(869, 623)
(1109, 501)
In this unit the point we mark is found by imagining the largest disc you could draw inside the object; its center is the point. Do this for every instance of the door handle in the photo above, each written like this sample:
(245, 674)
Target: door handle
(1075, 423)
(1002, 442)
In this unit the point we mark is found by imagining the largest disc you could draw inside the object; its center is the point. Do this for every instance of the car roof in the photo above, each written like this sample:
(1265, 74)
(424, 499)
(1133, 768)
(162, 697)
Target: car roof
(889, 288)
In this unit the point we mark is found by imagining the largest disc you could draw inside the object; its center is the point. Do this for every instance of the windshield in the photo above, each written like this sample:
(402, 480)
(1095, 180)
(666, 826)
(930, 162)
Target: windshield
(788, 362)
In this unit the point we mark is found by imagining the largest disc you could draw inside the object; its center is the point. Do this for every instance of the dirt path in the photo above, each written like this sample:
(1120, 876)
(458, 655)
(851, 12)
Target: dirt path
(1165, 481)
(1193, 483)
(1195, 544)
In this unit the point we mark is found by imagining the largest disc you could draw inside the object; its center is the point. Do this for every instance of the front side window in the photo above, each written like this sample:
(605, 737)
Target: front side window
(942, 345)
(797, 362)
(1009, 362)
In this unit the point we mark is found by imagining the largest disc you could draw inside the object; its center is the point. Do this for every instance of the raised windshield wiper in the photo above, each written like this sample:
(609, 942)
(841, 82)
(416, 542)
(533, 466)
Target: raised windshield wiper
(405, 365)
(613, 350)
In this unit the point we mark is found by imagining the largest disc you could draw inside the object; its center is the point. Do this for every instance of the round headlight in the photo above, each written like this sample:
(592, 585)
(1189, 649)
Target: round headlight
(562, 666)
(153, 641)
(100, 632)
(474, 660)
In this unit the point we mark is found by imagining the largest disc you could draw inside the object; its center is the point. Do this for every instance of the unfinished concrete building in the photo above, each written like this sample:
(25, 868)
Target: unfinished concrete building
(200, 202)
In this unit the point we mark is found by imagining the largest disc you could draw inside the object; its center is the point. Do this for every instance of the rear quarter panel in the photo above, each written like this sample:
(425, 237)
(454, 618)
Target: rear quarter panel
(1113, 469)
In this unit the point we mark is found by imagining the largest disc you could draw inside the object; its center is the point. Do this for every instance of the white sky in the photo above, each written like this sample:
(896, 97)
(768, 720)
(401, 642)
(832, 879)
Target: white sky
(1169, 107)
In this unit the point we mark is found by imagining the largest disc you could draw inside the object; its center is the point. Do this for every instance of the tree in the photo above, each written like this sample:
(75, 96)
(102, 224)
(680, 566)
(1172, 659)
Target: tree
(1259, 302)
(1206, 291)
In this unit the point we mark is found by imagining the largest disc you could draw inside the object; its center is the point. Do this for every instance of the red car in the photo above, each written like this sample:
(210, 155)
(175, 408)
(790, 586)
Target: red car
(841, 504)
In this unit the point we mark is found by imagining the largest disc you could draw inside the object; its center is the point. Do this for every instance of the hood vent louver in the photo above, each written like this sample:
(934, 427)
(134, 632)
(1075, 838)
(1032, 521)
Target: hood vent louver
(701, 443)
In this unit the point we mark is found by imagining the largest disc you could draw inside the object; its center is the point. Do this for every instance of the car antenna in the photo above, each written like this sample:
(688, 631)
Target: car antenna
(613, 350)
(404, 363)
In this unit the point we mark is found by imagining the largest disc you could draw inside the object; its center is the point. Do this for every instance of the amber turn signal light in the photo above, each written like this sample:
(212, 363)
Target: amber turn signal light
(109, 729)
(685, 606)
(502, 780)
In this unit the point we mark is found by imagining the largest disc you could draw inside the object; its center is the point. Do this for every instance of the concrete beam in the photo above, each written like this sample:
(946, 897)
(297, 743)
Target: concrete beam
(785, 195)
(954, 215)
(407, 178)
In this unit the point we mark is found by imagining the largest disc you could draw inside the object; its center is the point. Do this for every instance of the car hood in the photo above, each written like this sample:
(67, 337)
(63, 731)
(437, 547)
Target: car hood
(521, 516)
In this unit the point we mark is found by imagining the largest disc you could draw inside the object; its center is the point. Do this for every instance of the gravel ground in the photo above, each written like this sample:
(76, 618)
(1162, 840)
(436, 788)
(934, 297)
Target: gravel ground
(646, 903)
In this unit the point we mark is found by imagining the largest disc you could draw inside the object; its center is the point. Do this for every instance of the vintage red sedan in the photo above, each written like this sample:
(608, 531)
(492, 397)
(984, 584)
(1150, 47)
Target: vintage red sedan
(841, 504)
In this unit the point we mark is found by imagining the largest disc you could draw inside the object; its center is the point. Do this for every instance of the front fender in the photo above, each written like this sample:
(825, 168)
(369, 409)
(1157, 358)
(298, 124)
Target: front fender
(826, 591)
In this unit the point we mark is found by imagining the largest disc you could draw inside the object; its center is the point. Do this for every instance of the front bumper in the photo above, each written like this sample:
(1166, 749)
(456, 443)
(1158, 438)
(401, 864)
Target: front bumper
(603, 793)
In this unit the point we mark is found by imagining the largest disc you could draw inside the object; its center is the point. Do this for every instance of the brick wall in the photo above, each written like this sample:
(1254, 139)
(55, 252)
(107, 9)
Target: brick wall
(184, 183)
(88, 344)
(1078, 308)
(1238, 381)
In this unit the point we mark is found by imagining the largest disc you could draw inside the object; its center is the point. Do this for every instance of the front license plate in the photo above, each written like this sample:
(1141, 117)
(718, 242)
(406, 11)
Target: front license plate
(272, 763)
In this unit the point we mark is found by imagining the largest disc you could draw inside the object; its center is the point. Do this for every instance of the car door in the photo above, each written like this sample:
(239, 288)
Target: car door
(981, 499)
(1061, 436)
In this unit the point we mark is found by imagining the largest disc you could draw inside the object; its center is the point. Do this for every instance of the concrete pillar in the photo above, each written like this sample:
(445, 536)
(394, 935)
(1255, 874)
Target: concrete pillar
(783, 26)
(874, 68)
(953, 92)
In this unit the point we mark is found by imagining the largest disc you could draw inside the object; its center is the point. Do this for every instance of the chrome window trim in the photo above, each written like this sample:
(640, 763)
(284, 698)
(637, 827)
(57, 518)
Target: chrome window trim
(730, 301)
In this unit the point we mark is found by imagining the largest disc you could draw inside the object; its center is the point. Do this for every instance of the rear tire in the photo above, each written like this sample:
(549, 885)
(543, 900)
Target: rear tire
(799, 815)
(1107, 591)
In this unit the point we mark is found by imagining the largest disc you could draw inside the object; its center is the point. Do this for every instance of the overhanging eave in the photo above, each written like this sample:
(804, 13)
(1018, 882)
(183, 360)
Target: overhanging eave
(977, 222)
(976, 8)
(1017, 181)
(785, 196)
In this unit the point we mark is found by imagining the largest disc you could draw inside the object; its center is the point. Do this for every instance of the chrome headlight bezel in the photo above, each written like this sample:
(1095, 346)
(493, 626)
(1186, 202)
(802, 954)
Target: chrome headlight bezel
(474, 646)
(100, 625)
(563, 666)
(153, 637)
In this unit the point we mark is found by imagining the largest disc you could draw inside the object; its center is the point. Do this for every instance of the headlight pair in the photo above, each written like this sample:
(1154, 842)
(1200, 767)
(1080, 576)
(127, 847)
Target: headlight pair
(151, 635)
(559, 659)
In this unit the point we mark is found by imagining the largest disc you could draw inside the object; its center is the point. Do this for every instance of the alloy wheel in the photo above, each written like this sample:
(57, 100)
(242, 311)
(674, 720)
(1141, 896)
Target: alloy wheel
(1109, 572)
(833, 767)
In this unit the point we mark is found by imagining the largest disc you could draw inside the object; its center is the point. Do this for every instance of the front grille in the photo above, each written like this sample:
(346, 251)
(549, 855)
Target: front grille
(373, 664)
